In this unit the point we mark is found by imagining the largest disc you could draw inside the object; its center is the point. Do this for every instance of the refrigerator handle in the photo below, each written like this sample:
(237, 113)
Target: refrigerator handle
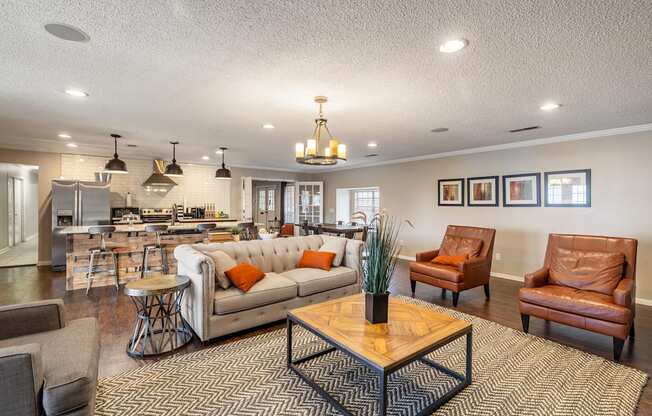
(75, 211)
(81, 206)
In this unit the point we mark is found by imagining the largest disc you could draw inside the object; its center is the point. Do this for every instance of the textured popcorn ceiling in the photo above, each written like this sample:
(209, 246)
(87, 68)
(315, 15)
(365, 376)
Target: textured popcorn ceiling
(211, 73)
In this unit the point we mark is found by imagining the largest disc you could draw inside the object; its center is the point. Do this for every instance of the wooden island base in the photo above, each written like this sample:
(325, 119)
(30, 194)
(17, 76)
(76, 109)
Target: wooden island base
(130, 258)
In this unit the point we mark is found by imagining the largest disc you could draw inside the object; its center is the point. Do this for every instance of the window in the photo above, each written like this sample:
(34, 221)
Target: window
(289, 204)
(367, 201)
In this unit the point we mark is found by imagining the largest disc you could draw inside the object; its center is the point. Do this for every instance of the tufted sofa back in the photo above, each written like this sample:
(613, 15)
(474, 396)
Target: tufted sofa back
(276, 255)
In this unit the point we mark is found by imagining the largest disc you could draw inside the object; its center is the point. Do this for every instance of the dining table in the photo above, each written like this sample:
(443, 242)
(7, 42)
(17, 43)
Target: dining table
(346, 230)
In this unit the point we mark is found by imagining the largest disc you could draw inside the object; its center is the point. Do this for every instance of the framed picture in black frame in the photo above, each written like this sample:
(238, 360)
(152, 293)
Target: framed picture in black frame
(522, 190)
(568, 188)
(482, 191)
(450, 192)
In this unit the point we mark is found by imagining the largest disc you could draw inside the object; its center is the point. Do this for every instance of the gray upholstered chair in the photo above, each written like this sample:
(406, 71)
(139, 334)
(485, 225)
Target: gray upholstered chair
(47, 366)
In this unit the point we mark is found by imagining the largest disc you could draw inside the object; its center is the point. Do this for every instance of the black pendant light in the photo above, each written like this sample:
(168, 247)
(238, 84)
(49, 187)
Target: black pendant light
(223, 172)
(173, 169)
(115, 165)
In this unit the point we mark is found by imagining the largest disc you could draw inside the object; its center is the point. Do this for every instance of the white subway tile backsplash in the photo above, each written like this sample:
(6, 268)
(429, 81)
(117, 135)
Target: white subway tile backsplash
(197, 187)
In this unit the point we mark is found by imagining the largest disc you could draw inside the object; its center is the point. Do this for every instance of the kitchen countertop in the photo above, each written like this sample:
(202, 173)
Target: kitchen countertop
(137, 228)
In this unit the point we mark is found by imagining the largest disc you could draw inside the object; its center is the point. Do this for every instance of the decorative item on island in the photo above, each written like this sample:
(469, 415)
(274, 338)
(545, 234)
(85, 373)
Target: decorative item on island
(382, 251)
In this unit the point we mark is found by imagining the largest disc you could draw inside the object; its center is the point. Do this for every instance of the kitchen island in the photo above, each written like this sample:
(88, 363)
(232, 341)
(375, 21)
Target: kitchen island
(131, 238)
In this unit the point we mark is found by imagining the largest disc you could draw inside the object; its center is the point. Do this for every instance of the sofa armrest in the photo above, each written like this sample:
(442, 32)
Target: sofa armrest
(31, 318)
(625, 292)
(21, 379)
(353, 256)
(427, 255)
(197, 305)
(538, 278)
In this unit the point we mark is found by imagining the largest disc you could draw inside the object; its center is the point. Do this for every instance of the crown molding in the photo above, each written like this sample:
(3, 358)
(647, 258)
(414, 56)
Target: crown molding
(595, 134)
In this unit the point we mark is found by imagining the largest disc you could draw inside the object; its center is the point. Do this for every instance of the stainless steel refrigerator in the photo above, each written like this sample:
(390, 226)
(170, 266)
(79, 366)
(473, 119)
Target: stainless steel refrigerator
(76, 203)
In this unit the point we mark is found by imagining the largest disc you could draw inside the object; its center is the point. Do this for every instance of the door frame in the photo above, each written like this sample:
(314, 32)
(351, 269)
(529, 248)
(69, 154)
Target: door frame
(11, 222)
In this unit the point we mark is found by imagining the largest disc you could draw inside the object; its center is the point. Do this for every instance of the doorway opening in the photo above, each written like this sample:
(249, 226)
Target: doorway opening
(18, 215)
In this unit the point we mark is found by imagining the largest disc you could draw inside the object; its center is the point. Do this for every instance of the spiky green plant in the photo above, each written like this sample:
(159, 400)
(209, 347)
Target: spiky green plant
(382, 250)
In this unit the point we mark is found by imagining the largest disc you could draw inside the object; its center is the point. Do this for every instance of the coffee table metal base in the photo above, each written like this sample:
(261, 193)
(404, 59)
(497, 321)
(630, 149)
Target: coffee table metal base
(382, 374)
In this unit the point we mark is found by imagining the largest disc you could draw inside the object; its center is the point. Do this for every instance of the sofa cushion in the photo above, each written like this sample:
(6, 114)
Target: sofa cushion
(599, 271)
(580, 302)
(311, 281)
(273, 288)
(223, 262)
(454, 245)
(335, 245)
(440, 271)
(70, 358)
(455, 261)
(316, 259)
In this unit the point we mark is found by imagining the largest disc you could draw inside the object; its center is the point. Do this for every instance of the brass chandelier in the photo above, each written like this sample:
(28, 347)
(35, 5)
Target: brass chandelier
(311, 153)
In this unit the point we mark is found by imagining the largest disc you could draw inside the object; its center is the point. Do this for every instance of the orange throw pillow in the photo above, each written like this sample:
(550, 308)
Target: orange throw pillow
(451, 260)
(244, 276)
(317, 259)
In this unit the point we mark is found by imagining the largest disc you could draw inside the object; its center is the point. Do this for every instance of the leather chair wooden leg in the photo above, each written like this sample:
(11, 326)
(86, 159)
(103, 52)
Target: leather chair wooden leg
(443, 293)
(486, 290)
(456, 298)
(525, 320)
(618, 348)
(632, 332)
(413, 285)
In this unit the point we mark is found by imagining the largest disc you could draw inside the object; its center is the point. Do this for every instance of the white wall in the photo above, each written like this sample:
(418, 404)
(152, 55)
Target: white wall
(621, 198)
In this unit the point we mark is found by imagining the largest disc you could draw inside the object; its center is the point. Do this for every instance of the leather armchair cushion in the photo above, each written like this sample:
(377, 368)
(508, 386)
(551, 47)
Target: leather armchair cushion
(598, 271)
(440, 271)
(454, 245)
(580, 302)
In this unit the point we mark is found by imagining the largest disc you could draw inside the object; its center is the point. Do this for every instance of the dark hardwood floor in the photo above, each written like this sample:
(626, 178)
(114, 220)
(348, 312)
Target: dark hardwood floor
(116, 314)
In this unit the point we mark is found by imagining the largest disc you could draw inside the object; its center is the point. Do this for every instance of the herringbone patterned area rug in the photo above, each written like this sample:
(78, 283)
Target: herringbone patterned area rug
(513, 374)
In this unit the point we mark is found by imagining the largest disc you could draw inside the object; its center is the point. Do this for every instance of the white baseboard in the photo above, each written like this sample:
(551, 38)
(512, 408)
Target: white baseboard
(640, 301)
(44, 263)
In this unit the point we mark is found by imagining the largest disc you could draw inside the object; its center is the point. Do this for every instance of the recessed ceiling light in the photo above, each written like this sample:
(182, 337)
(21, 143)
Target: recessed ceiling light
(550, 106)
(205, 157)
(64, 135)
(219, 152)
(453, 45)
(71, 145)
(76, 93)
(439, 130)
(81, 160)
(66, 32)
(268, 126)
(372, 145)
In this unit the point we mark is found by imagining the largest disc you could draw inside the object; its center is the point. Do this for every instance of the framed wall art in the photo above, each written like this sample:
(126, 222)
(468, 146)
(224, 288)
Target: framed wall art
(450, 192)
(482, 191)
(569, 188)
(522, 190)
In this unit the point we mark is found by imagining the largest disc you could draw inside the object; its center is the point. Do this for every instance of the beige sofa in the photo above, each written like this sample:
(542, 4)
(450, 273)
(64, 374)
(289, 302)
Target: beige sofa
(212, 311)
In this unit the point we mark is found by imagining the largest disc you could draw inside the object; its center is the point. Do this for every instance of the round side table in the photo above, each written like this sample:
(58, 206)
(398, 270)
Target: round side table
(159, 327)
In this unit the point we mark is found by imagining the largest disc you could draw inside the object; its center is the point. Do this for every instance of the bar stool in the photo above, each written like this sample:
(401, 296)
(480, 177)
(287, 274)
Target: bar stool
(102, 251)
(204, 228)
(157, 229)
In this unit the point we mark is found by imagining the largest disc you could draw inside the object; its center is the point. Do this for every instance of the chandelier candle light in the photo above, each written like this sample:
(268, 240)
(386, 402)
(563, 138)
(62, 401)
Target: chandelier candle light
(309, 154)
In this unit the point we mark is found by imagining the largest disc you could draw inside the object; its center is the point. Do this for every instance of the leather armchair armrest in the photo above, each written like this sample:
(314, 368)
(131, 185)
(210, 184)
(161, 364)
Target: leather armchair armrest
(538, 278)
(22, 378)
(624, 292)
(476, 271)
(427, 255)
(31, 318)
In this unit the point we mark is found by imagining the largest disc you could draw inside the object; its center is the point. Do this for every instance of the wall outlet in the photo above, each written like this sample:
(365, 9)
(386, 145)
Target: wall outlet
(498, 256)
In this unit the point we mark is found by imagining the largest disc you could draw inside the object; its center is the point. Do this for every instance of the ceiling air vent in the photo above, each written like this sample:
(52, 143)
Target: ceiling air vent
(524, 129)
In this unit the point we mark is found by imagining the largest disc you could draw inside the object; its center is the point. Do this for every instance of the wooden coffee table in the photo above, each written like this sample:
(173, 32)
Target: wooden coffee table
(412, 332)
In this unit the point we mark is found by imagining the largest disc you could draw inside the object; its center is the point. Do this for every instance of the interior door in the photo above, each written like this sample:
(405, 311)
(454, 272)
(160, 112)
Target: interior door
(246, 199)
(18, 210)
(10, 211)
(267, 200)
(309, 200)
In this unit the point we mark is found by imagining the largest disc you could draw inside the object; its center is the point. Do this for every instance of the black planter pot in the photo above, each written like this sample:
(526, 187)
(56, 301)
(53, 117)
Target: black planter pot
(375, 307)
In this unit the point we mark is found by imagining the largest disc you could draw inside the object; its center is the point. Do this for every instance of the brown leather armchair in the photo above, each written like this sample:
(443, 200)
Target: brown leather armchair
(472, 273)
(587, 282)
